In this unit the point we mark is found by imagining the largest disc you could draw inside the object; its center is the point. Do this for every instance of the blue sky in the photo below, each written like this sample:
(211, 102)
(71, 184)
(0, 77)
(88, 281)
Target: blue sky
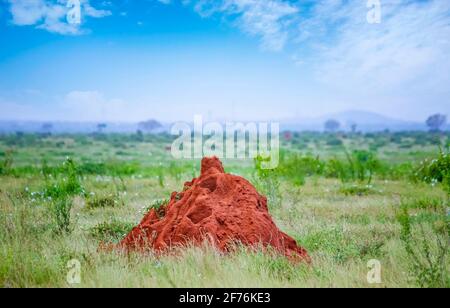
(225, 59)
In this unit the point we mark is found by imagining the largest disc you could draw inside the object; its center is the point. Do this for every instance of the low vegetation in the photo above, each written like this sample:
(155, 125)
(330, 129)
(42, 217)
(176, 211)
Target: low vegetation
(382, 196)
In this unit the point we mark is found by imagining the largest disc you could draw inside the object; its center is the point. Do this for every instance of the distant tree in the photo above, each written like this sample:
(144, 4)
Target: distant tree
(436, 121)
(149, 126)
(353, 127)
(332, 125)
(139, 135)
(47, 128)
(101, 127)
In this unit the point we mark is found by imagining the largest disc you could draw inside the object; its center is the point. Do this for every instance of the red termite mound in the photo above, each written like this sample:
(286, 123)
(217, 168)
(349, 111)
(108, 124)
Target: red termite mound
(217, 207)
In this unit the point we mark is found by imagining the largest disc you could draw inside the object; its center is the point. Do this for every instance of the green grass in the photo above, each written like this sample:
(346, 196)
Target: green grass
(55, 212)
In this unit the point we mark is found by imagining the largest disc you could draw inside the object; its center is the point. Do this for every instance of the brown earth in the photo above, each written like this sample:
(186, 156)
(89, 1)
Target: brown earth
(217, 207)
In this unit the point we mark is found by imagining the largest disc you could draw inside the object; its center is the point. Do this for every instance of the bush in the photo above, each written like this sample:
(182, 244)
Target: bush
(363, 165)
(436, 170)
(359, 166)
(295, 168)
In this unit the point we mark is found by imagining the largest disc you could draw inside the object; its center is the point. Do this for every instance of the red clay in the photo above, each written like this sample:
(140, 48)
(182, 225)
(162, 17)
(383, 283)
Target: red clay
(217, 207)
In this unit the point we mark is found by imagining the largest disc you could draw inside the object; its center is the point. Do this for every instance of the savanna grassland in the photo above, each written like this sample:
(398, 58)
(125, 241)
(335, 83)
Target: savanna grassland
(346, 198)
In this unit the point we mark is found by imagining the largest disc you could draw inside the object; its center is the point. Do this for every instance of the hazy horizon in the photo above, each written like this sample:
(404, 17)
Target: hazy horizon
(206, 118)
(225, 59)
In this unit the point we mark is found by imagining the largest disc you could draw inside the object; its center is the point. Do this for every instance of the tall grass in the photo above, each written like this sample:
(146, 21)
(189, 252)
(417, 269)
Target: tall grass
(425, 236)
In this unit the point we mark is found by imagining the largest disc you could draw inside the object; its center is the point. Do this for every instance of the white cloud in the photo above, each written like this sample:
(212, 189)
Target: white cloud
(337, 46)
(409, 49)
(90, 11)
(269, 20)
(50, 15)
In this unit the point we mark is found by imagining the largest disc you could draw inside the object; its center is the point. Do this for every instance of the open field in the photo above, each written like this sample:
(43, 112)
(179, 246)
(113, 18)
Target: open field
(347, 199)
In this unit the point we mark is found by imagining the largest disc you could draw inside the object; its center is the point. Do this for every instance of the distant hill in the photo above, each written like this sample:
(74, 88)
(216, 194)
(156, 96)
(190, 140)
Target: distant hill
(365, 121)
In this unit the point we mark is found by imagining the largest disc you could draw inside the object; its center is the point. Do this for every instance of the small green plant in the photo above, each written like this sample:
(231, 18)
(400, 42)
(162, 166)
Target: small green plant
(446, 182)
(159, 206)
(6, 164)
(268, 183)
(66, 182)
(357, 190)
(111, 231)
(61, 186)
(102, 202)
(160, 177)
(61, 213)
(427, 246)
(46, 170)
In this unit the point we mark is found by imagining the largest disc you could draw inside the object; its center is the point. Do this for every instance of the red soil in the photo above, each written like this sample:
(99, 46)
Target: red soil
(221, 208)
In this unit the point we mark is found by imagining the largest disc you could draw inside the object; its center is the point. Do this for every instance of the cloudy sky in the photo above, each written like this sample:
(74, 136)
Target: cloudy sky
(226, 59)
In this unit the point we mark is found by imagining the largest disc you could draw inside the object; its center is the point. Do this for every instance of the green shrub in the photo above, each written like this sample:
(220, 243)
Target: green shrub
(363, 165)
(359, 166)
(435, 170)
(295, 168)
(336, 168)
